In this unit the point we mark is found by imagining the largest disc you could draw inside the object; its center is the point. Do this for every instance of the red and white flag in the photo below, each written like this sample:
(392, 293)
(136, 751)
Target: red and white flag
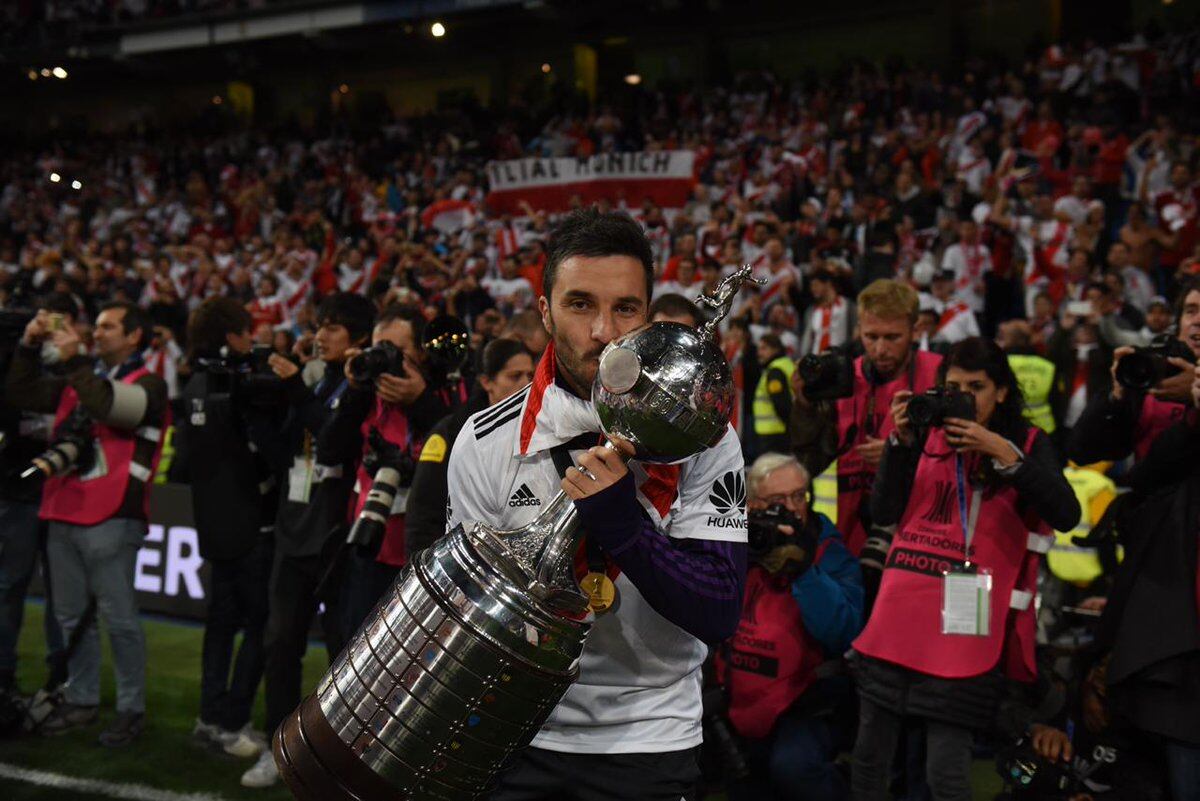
(448, 216)
(549, 184)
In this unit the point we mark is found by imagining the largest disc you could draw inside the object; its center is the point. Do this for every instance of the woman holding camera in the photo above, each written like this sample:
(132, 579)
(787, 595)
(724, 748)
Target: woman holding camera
(975, 497)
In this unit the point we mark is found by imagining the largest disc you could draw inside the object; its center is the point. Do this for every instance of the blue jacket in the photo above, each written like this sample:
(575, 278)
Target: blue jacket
(830, 593)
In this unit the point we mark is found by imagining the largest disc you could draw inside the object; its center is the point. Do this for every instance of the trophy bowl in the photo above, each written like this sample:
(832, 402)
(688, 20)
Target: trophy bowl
(667, 389)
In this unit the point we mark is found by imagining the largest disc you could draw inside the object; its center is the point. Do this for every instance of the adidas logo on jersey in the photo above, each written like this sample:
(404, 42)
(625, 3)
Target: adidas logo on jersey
(524, 497)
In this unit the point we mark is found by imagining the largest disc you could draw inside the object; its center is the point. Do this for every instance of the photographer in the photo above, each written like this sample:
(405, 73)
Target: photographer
(852, 429)
(22, 536)
(309, 526)
(1130, 418)
(110, 413)
(966, 480)
(1151, 621)
(505, 368)
(234, 498)
(382, 421)
(803, 605)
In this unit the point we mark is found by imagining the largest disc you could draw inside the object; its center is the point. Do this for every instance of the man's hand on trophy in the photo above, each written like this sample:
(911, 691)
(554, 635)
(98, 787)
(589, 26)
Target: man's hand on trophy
(599, 468)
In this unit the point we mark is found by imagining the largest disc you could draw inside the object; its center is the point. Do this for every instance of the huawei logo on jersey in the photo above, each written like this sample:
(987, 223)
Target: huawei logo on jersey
(523, 497)
(728, 493)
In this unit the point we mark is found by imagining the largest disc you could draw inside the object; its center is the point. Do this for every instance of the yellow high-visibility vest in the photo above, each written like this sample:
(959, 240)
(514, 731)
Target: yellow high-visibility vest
(825, 493)
(766, 422)
(1073, 563)
(1035, 376)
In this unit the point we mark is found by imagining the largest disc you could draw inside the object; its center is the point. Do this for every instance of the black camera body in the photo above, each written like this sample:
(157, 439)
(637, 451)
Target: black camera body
(1147, 366)
(931, 408)
(244, 377)
(762, 528)
(829, 376)
(375, 361)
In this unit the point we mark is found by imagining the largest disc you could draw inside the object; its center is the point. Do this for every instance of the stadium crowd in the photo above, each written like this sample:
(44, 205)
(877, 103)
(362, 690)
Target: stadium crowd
(1036, 224)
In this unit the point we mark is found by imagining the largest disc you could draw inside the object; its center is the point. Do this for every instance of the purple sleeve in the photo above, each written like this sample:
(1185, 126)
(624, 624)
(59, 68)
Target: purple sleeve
(695, 584)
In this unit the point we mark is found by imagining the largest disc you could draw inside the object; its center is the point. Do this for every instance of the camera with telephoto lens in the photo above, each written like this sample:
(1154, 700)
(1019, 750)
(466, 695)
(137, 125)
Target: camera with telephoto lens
(932, 408)
(375, 361)
(1146, 367)
(828, 376)
(392, 467)
(73, 447)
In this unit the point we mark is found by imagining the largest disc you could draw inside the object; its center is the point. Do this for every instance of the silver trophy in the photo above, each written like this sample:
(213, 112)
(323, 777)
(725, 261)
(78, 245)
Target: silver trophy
(463, 660)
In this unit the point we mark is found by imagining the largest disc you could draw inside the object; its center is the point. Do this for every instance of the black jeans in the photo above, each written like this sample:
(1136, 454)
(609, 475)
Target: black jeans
(295, 581)
(541, 775)
(237, 602)
(947, 756)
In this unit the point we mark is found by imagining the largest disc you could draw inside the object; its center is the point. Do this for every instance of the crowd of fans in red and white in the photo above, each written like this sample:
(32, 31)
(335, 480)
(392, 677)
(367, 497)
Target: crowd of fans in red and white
(1001, 191)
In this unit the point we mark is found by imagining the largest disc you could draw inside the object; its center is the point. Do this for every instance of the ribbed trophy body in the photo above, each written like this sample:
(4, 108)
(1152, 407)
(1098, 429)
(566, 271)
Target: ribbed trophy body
(465, 658)
(454, 670)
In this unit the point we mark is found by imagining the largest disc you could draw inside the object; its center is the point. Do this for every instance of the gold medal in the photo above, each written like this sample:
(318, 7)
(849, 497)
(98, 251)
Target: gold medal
(600, 592)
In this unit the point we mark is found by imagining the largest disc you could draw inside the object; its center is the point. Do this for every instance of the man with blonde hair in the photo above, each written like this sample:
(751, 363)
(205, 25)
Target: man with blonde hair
(852, 430)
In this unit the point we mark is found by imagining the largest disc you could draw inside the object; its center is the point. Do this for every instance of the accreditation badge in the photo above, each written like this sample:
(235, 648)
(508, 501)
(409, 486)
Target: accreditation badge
(967, 602)
(300, 480)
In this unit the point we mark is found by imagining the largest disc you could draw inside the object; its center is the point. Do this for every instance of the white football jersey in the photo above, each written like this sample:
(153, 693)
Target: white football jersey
(639, 682)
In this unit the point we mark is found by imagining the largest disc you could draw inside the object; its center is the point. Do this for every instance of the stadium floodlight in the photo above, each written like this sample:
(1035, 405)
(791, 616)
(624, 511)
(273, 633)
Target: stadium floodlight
(60, 73)
(33, 76)
(76, 185)
(438, 30)
(633, 79)
(55, 177)
(45, 72)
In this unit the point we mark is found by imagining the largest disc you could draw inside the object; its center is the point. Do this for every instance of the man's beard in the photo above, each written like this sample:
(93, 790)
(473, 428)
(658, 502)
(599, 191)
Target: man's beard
(579, 370)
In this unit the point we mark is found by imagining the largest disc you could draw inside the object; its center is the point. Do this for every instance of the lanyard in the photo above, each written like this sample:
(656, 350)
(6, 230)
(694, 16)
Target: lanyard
(968, 520)
(333, 396)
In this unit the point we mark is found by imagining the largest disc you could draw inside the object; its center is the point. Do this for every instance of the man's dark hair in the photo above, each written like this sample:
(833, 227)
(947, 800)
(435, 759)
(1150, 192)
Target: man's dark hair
(135, 319)
(350, 310)
(822, 274)
(773, 342)
(497, 353)
(394, 311)
(1101, 287)
(1186, 288)
(593, 233)
(211, 321)
(676, 306)
(61, 303)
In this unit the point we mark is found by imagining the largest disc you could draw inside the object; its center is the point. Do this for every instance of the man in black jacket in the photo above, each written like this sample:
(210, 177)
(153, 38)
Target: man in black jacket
(234, 497)
(312, 513)
(402, 405)
(1151, 621)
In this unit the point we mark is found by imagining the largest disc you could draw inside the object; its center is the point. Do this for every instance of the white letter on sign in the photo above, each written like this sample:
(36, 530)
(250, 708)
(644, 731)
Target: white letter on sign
(149, 556)
(183, 566)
